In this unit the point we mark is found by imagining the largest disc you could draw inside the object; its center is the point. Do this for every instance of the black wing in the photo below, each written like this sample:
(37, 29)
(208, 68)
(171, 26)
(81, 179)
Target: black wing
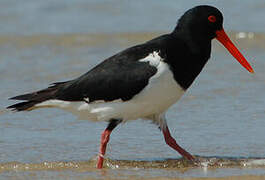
(119, 77)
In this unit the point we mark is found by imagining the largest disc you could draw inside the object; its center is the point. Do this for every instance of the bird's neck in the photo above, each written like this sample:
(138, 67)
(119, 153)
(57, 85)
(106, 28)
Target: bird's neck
(195, 39)
(188, 58)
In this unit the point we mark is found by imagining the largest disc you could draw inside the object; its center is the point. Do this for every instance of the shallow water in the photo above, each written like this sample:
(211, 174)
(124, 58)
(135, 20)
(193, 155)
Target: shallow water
(209, 167)
(220, 118)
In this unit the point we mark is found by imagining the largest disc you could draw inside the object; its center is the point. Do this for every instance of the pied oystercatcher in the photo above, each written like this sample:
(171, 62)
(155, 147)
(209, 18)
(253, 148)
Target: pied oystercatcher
(142, 81)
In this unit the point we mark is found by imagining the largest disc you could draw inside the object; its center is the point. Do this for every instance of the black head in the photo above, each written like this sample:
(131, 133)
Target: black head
(201, 21)
(199, 25)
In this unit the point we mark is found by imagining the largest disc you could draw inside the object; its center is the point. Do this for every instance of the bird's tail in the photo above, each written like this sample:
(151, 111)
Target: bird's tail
(34, 98)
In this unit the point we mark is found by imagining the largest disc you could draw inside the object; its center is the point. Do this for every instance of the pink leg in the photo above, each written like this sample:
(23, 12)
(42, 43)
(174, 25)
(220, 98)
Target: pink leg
(104, 141)
(173, 144)
(103, 145)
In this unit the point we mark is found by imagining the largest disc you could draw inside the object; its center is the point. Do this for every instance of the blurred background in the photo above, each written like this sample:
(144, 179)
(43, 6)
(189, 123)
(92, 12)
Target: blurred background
(42, 42)
(30, 17)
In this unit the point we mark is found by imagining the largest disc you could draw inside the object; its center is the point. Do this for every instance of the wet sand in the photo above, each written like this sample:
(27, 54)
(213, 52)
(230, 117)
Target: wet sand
(245, 39)
(130, 169)
(170, 164)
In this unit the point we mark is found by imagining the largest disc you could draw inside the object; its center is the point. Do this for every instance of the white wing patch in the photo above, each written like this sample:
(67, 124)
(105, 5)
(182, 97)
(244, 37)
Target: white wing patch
(153, 58)
(86, 99)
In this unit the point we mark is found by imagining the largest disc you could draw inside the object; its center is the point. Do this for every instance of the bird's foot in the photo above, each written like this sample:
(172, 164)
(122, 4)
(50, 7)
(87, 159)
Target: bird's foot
(192, 159)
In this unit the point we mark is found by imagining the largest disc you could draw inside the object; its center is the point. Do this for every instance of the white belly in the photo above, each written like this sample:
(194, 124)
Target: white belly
(161, 92)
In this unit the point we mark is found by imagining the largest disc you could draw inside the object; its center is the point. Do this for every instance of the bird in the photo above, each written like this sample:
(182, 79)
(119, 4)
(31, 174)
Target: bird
(142, 81)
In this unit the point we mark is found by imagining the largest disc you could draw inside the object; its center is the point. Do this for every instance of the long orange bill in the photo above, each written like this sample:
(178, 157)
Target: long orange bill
(225, 40)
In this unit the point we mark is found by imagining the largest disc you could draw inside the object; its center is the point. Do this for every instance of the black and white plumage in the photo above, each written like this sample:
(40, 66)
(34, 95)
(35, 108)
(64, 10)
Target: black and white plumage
(136, 83)
(142, 81)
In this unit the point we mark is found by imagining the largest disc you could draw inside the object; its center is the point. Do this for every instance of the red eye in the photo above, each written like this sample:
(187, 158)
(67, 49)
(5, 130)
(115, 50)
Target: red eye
(212, 19)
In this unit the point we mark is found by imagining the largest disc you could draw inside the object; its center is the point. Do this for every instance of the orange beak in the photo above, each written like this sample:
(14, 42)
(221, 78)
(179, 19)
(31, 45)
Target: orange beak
(225, 40)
